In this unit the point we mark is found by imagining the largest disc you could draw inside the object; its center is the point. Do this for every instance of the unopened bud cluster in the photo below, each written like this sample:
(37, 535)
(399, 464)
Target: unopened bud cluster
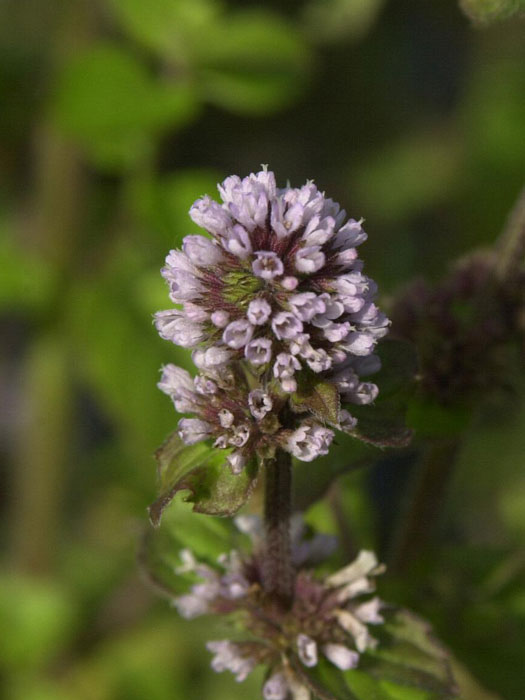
(465, 328)
(325, 619)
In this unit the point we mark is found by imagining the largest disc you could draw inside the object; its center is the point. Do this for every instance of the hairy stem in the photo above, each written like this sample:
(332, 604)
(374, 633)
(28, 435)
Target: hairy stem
(277, 573)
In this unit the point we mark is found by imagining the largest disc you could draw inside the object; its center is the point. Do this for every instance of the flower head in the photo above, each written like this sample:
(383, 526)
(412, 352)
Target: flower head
(277, 275)
(327, 617)
(238, 419)
(465, 328)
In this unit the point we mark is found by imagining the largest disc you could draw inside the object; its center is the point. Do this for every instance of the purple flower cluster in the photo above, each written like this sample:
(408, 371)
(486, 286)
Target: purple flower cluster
(325, 619)
(278, 284)
(239, 419)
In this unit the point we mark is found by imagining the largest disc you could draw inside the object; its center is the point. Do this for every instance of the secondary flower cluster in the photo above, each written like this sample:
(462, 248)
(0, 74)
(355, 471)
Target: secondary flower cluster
(325, 618)
(242, 420)
(279, 284)
(466, 328)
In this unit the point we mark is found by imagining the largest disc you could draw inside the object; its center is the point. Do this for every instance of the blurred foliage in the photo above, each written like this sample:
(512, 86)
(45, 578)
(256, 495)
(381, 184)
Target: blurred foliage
(486, 11)
(328, 21)
(116, 116)
(107, 101)
(408, 665)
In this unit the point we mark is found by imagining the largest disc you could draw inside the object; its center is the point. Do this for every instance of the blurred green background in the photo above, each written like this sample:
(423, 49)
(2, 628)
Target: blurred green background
(116, 115)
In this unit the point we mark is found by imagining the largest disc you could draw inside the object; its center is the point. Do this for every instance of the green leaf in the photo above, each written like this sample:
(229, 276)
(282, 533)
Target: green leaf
(337, 20)
(398, 692)
(158, 560)
(27, 281)
(170, 27)
(469, 686)
(252, 62)
(320, 398)
(207, 537)
(366, 687)
(203, 471)
(107, 100)
(487, 11)
(37, 617)
(163, 203)
(137, 410)
(409, 655)
(407, 665)
(325, 681)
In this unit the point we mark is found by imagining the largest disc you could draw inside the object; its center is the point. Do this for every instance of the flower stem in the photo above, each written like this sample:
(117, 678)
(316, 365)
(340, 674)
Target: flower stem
(277, 571)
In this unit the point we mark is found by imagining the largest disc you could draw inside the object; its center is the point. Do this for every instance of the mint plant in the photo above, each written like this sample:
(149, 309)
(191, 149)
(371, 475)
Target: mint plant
(283, 326)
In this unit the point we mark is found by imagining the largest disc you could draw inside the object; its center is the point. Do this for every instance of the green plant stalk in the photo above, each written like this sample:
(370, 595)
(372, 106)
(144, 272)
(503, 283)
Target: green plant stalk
(41, 446)
(421, 512)
(40, 456)
(277, 570)
(511, 243)
(437, 462)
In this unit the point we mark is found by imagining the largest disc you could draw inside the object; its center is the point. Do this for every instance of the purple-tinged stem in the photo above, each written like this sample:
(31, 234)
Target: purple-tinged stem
(277, 570)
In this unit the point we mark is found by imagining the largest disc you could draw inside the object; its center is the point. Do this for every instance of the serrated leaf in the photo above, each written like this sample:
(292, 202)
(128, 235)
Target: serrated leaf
(405, 625)
(216, 491)
(202, 470)
(319, 398)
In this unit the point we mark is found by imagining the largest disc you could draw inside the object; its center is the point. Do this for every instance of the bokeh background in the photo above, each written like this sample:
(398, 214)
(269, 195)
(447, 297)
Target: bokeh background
(116, 115)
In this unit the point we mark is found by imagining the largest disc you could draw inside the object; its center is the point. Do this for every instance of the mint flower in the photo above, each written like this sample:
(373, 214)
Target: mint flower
(327, 617)
(278, 283)
(239, 419)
